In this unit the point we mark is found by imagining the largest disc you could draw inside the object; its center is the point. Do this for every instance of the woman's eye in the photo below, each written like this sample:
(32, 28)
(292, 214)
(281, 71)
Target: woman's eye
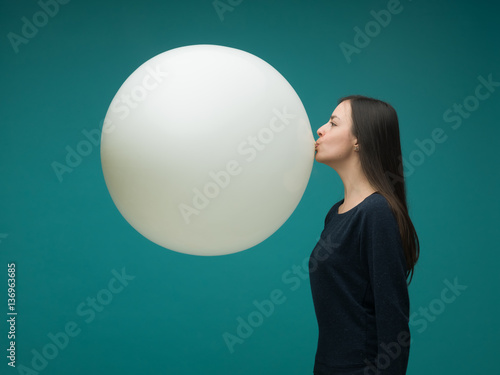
(332, 123)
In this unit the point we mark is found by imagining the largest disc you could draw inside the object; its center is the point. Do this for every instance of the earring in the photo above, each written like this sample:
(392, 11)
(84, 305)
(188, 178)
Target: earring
(356, 148)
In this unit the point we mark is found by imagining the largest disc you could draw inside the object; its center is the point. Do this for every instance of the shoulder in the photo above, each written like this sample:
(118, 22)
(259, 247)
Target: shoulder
(376, 201)
(375, 210)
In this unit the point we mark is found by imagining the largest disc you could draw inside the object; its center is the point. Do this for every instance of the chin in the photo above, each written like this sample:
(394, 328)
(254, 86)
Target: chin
(319, 160)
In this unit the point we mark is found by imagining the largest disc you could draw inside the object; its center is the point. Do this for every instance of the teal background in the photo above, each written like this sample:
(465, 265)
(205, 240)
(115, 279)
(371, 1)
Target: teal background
(67, 237)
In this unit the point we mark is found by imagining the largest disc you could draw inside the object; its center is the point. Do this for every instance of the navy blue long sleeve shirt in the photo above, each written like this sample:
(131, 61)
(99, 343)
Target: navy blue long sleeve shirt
(358, 281)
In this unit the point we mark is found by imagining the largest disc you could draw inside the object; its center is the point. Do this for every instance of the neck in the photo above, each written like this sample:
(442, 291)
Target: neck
(356, 185)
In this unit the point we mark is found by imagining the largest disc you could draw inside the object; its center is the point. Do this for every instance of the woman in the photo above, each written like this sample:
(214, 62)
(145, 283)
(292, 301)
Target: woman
(368, 248)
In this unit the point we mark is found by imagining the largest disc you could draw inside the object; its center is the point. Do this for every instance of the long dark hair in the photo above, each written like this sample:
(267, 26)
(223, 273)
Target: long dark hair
(375, 125)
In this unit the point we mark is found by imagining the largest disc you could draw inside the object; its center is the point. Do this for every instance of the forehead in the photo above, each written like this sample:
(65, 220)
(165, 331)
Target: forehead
(342, 112)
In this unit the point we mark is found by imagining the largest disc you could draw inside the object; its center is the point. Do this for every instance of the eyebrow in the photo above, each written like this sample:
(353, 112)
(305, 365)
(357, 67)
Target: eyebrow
(331, 117)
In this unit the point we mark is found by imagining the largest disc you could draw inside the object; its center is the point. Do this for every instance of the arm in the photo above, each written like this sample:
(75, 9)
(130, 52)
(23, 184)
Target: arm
(387, 275)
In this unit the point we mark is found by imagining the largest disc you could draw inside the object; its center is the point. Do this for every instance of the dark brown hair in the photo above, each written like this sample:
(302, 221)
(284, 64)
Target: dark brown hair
(375, 125)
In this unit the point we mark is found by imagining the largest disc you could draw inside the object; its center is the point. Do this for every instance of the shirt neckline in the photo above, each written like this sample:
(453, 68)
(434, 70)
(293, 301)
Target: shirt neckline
(354, 208)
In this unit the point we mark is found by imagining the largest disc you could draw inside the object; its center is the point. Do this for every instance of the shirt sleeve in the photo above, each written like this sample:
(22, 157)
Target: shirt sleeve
(387, 276)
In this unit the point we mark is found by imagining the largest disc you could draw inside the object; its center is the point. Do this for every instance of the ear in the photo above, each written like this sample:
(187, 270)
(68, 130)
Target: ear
(356, 145)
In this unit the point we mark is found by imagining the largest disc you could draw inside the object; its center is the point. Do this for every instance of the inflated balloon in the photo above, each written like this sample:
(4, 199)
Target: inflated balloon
(206, 150)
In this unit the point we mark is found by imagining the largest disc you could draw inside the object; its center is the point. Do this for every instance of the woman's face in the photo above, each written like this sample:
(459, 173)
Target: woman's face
(336, 141)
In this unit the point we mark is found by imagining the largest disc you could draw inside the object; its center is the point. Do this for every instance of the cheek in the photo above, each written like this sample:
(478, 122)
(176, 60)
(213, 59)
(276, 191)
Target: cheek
(339, 141)
(337, 147)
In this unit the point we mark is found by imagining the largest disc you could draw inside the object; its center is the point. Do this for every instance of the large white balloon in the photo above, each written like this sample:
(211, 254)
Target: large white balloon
(206, 150)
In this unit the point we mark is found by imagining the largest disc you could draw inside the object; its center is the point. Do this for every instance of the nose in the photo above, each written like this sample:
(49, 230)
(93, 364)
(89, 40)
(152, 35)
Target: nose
(320, 131)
